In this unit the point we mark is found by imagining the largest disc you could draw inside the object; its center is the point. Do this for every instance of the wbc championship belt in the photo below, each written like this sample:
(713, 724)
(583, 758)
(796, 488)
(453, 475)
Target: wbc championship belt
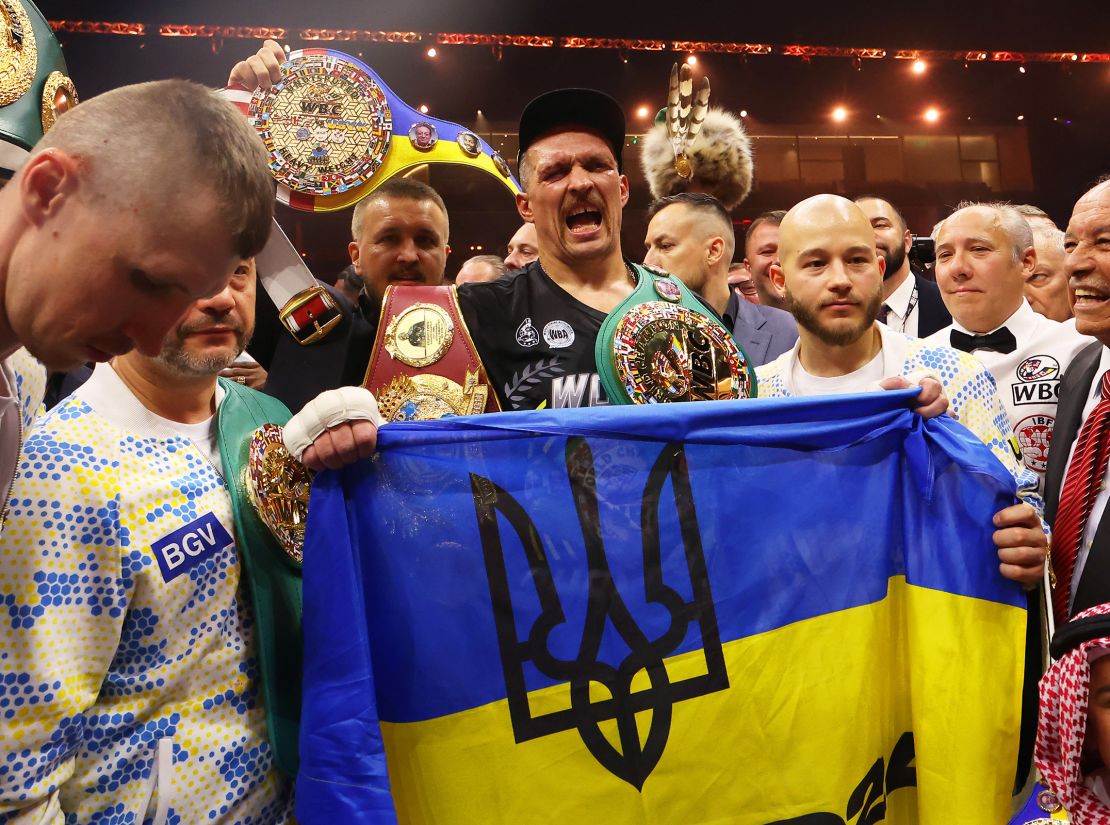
(425, 365)
(661, 345)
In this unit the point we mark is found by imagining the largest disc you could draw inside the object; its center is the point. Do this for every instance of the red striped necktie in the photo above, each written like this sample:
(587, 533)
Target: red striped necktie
(1081, 486)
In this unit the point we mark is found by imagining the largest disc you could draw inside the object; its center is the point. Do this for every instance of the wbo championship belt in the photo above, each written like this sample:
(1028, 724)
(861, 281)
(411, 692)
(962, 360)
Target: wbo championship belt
(662, 345)
(424, 365)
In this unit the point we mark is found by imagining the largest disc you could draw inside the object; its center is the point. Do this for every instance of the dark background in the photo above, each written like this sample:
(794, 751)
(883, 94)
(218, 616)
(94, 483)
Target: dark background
(776, 90)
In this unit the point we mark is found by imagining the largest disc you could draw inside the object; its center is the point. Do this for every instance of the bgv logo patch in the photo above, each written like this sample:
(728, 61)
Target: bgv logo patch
(188, 546)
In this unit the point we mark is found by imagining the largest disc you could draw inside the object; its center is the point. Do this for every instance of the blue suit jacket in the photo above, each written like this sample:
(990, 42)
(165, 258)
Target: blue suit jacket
(763, 332)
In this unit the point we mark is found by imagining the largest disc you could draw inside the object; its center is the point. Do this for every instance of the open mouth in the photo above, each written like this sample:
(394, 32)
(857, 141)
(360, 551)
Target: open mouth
(584, 220)
(1087, 298)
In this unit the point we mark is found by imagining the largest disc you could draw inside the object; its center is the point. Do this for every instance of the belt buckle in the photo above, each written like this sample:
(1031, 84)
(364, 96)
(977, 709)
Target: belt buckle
(310, 315)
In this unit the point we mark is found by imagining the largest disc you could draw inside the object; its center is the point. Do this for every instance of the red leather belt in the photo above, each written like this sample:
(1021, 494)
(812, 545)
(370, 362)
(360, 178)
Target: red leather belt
(424, 364)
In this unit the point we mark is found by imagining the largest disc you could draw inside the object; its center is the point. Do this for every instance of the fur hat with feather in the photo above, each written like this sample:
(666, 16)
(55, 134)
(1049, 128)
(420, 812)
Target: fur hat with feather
(720, 158)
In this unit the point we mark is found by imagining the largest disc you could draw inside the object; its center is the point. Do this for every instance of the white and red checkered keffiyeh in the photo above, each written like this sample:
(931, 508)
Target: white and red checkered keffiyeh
(1062, 728)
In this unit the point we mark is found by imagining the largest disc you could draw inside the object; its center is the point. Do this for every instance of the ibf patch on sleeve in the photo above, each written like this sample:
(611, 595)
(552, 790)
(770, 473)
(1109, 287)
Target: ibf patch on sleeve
(188, 546)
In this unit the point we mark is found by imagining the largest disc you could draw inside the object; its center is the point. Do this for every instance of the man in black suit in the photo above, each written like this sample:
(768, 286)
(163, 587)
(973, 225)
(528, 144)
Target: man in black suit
(1081, 531)
(911, 304)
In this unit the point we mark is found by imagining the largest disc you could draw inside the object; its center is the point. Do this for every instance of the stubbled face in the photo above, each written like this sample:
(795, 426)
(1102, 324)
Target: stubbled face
(1098, 710)
(761, 249)
(981, 283)
(1046, 287)
(523, 247)
(575, 197)
(85, 287)
(831, 272)
(676, 244)
(401, 241)
(214, 330)
(892, 239)
(1087, 262)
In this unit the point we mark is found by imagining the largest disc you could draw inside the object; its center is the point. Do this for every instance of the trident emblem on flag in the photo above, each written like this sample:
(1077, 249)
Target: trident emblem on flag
(602, 690)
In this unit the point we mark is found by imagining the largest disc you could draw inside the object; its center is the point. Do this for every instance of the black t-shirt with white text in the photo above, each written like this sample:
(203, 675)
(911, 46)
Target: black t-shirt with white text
(535, 340)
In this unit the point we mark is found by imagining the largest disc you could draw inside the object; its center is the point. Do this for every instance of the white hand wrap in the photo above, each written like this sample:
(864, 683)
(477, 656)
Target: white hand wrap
(329, 409)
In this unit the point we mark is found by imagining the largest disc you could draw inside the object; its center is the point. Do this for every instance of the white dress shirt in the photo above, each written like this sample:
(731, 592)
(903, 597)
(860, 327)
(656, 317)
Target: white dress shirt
(902, 316)
(1028, 378)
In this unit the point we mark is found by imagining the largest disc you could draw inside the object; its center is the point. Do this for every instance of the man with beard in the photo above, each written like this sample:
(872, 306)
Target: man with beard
(126, 557)
(832, 277)
(910, 304)
(534, 330)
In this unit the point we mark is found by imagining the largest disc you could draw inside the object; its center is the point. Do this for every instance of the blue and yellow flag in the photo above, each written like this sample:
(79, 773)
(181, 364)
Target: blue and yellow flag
(782, 611)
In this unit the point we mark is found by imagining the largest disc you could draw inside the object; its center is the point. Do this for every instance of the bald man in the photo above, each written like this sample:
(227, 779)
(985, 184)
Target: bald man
(832, 275)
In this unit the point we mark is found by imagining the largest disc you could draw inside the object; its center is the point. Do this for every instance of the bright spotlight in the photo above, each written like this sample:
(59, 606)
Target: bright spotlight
(432, 52)
(423, 108)
(932, 115)
(743, 113)
(642, 112)
(919, 67)
(692, 60)
(840, 114)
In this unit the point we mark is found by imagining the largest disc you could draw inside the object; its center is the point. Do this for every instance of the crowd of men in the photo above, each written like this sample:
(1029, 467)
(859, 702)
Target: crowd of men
(138, 676)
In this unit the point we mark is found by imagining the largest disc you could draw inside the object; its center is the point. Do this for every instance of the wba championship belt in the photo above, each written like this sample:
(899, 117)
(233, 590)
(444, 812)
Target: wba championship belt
(424, 365)
(661, 345)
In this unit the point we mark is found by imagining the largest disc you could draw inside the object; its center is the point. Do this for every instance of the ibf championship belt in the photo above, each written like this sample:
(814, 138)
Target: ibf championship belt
(661, 345)
(335, 132)
(425, 365)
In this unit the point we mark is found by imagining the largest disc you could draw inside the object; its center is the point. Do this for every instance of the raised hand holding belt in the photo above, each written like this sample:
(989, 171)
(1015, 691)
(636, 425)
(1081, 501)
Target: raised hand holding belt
(424, 364)
(1001, 340)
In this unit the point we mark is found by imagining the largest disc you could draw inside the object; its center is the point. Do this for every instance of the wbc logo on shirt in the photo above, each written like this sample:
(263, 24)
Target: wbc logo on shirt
(188, 546)
(1038, 381)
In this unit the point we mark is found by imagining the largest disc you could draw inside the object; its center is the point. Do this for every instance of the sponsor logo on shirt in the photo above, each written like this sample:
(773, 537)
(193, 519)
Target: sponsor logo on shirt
(526, 334)
(582, 389)
(1038, 381)
(558, 334)
(188, 546)
(1034, 434)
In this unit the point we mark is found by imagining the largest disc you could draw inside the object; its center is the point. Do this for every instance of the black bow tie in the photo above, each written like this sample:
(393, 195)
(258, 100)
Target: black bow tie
(1001, 340)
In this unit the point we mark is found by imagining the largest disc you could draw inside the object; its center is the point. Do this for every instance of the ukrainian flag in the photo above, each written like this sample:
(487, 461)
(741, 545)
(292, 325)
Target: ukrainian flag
(777, 611)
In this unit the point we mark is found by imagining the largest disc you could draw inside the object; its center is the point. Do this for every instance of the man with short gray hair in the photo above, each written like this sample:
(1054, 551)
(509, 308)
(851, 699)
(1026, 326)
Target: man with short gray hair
(985, 254)
(88, 268)
(1046, 289)
(481, 268)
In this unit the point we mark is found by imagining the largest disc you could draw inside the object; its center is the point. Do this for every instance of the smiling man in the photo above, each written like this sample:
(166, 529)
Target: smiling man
(985, 256)
(832, 276)
(1076, 489)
